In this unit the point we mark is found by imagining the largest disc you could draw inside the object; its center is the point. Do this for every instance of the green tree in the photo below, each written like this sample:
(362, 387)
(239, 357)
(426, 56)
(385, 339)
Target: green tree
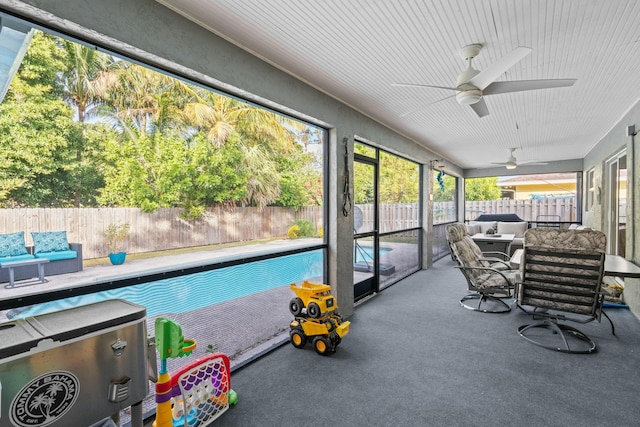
(482, 189)
(38, 136)
(399, 180)
(83, 82)
(447, 194)
(264, 139)
(363, 190)
(143, 171)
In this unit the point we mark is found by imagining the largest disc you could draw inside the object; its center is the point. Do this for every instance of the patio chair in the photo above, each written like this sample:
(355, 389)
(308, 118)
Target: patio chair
(561, 280)
(489, 279)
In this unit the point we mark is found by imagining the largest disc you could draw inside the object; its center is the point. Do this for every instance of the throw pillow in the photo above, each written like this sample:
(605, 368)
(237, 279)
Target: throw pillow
(485, 225)
(52, 241)
(12, 244)
(517, 228)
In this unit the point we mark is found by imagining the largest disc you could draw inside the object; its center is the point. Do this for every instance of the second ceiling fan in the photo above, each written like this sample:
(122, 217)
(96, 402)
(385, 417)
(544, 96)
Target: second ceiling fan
(472, 85)
(513, 163)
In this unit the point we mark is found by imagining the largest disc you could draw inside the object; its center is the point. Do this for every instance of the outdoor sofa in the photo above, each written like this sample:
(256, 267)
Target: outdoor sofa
(501, 224)
(64, 257)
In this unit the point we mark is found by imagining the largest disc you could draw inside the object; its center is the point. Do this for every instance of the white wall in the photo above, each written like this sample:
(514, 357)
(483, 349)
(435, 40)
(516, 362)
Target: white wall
(614, 141)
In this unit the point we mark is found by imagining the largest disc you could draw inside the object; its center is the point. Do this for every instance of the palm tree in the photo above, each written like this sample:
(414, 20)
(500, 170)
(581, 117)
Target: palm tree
(220, 116)
(83, 81)
(146, 99)
(263, 135)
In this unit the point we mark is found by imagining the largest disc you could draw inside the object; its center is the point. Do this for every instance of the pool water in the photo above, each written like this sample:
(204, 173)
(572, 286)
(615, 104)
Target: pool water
(365, 253)
(187, 293)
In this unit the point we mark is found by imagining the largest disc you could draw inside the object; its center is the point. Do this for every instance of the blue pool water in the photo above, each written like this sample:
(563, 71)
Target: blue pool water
(365, 253)
(188, 293)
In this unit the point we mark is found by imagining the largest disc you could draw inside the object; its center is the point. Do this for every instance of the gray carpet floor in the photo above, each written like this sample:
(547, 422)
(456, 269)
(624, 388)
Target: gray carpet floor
(415, 357)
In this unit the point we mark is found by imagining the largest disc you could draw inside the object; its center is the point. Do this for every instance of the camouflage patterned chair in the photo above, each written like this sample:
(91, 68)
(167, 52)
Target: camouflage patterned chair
(561, 280)
(490, 280)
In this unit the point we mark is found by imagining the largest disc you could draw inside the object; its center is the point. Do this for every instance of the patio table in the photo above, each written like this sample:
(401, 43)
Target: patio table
(11, 265)
(493, 242)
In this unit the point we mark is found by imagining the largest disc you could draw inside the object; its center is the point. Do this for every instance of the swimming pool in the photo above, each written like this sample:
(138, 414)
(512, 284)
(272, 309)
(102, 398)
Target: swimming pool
(187, 293)
(365, 253)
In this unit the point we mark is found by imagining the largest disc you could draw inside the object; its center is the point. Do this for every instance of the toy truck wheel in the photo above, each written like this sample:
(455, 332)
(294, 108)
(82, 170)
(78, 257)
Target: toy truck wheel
(313, 310)
(295, 306)
(298, 339)
(322, 345)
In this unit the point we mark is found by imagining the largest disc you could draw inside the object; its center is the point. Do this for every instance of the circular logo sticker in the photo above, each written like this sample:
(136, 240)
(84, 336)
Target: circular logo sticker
(44, 399)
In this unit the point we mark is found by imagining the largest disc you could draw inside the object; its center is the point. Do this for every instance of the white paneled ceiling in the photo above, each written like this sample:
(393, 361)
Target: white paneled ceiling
(355, 50)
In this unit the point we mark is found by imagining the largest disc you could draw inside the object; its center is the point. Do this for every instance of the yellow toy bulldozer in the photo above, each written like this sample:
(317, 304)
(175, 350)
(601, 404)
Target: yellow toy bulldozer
(316, 320)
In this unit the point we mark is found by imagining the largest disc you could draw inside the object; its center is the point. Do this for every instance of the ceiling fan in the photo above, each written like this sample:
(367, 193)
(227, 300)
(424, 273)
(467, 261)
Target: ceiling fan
(472, 85)
(512, 163)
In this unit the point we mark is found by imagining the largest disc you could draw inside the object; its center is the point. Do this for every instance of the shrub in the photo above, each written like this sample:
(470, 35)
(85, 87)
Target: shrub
(302, 228)
(115, 236)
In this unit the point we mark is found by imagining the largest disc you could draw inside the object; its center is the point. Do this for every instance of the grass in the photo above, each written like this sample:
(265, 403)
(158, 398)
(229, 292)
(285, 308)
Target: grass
(144, 255)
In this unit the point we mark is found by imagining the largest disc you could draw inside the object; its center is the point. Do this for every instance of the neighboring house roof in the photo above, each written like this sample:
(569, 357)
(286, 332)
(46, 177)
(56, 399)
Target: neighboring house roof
(548, 178)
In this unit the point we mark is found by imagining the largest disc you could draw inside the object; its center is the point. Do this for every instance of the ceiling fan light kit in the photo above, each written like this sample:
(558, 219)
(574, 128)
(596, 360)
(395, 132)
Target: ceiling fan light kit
(513, 163)
(469, 96)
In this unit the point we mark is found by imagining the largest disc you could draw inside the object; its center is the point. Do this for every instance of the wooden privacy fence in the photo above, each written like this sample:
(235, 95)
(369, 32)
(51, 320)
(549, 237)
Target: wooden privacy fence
(560, 209)
(400, 216)
(407, 215)
(163, 229)
(159, 230)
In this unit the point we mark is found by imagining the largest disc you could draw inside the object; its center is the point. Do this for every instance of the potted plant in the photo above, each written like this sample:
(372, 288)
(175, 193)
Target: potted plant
(115, 236)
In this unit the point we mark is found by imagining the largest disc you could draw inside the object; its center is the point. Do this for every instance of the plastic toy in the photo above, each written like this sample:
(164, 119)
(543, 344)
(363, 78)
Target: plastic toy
(316, 298)
(315, 318)
(198, 393)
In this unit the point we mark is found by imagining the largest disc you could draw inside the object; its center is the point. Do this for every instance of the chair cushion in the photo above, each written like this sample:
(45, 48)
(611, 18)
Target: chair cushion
(455, 232)
(494, 280)
(51, 241)
(566, 239)
(485, 225)
(12, 244)
(517, 228)
(16, 258)
(57, 255)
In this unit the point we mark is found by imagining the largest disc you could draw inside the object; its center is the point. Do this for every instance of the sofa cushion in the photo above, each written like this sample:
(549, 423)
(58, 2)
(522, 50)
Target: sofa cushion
(473, 229)
(517, 228)
(485, 225)
(50, 241)
(12, 244)
(57, 255)
(16, 258)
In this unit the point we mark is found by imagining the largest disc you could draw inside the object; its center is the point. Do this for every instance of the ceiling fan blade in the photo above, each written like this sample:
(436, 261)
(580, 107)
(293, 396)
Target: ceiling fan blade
(480, 108)
(417, 85)
(498, 68)
(522, 85)
(425, 106)
(532, 163)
